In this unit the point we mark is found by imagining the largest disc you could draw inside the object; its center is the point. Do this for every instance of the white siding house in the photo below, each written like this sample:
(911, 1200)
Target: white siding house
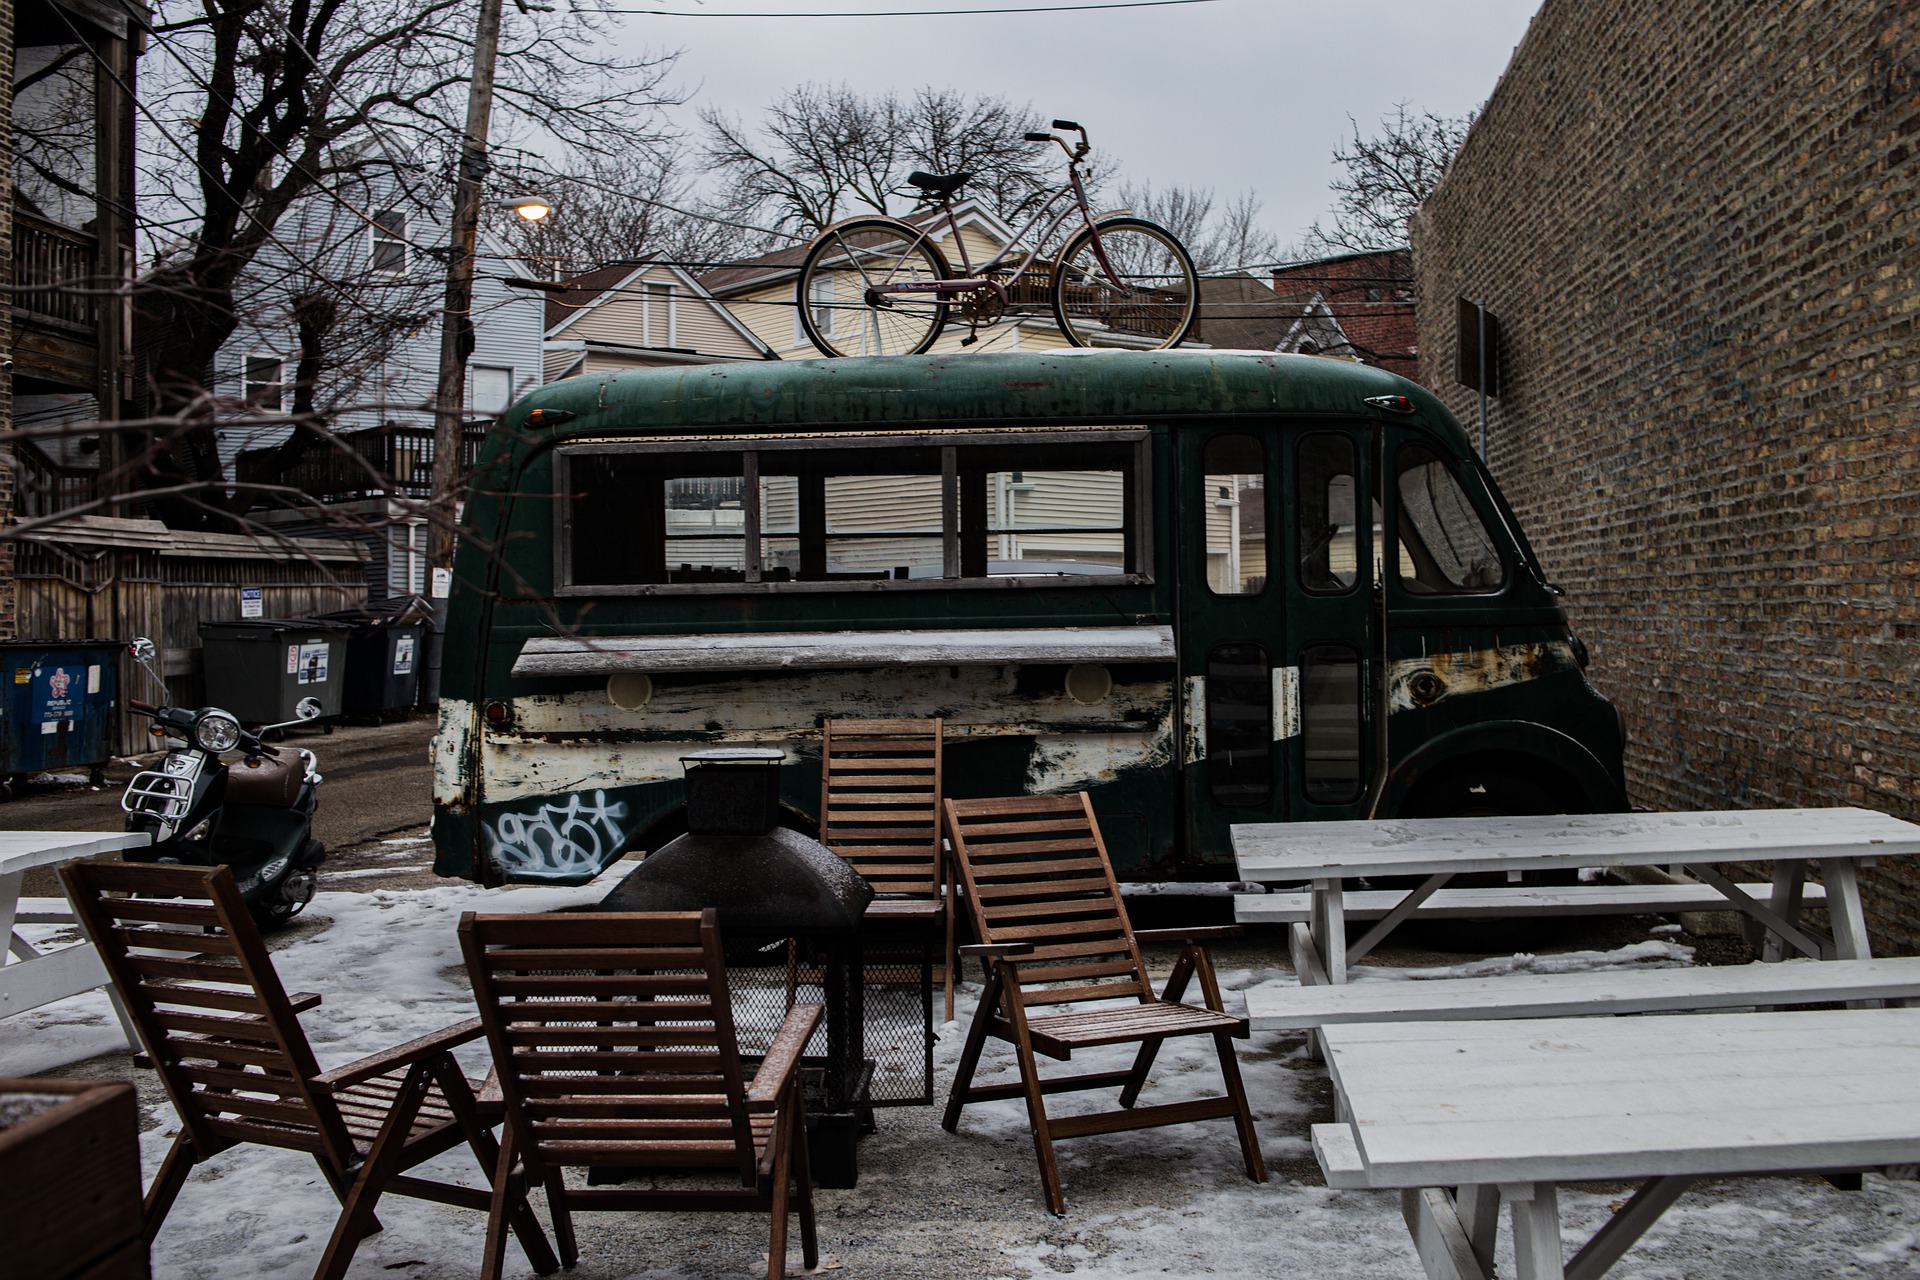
(358, 273)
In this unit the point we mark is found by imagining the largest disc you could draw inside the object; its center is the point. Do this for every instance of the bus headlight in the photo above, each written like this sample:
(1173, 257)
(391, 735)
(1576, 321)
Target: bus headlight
(1089, 683)
(216, 731)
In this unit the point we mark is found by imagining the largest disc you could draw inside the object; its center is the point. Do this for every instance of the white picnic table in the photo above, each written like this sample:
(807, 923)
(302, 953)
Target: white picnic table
(29, 976)
(1325, 854)
(1463, 1117)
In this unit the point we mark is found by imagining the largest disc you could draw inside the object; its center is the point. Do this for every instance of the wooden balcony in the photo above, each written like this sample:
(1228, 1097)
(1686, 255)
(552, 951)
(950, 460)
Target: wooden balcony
(56, 303)
(393, 461)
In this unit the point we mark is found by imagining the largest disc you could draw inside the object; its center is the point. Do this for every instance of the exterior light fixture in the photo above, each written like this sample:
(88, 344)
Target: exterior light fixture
(531, 207)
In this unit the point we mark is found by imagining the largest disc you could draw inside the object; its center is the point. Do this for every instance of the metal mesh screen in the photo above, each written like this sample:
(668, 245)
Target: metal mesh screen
(893, 1066)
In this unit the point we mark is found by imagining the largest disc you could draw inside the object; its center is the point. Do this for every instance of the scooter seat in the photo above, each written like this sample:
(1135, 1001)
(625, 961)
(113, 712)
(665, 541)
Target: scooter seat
(266, 780)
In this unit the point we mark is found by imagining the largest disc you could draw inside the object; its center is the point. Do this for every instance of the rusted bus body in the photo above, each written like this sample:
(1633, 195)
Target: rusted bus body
(1162, 578)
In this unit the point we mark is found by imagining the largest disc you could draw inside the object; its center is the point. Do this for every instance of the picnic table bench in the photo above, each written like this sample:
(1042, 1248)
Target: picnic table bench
(1601, 991)
(1463, 1117)
(1326, 854)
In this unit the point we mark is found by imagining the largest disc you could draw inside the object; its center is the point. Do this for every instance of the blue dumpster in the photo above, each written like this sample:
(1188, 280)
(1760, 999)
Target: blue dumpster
(57, 708)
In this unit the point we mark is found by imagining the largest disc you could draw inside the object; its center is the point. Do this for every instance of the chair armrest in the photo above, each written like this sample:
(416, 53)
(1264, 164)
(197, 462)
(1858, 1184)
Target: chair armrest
(304, 1000)
(1201, 933)
(995, 950)
(404, 1055)
(783, 1056)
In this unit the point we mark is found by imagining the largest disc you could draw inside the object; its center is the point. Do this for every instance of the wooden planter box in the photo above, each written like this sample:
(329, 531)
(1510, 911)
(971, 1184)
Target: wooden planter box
(70, 1166)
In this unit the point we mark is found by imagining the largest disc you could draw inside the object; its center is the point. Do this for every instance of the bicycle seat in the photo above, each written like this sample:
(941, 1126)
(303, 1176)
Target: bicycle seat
(937, 184)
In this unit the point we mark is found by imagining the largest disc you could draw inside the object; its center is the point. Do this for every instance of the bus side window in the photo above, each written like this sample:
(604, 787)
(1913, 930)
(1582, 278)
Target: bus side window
(1330, 723)
(1445, 548)
(1329, 547)
(1234, 494)
(1239, 726)
(706, 535)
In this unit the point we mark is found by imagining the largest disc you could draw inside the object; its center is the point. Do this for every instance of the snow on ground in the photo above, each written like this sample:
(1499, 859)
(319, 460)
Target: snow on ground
(966, 1206)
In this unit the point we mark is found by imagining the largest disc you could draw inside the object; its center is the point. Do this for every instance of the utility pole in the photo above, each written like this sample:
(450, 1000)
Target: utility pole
(456, 338)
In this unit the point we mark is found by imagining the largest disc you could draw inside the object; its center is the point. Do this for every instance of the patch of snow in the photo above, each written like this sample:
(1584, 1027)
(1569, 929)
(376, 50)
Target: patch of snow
(1142, 1206)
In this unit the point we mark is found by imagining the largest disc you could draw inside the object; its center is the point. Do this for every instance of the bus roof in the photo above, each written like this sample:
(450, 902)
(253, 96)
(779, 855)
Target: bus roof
(1083, 385)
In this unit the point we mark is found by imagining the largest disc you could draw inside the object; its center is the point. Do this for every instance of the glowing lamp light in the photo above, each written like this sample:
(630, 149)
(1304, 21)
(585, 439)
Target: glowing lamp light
(531, 207)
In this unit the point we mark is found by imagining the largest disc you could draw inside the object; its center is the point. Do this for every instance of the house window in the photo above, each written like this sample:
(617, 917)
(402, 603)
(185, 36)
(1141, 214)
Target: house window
(492, 391)
(659, 317)
(822, 301)
(389, 241)
(262, 388)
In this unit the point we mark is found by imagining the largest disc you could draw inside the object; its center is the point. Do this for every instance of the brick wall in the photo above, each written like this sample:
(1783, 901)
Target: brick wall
(1699, 226)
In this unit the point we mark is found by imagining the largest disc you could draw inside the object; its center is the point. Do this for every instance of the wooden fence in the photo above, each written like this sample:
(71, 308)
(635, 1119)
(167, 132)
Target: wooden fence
(112, 579)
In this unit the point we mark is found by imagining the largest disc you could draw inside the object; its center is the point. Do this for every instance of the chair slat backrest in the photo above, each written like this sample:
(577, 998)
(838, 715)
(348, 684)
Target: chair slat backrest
(196, 979)
(613, 1037)
(880, 801)
(1036, 871)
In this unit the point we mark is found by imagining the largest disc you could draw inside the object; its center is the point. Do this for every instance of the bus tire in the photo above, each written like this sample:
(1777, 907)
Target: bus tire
(1481, 791)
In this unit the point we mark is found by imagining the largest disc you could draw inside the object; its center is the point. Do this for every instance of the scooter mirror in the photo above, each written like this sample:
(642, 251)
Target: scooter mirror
(307, 708)
(143, 650)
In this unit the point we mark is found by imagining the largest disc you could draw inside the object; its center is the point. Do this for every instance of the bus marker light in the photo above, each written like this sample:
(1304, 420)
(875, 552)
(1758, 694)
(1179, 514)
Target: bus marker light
(1391, 404)
(496, 713)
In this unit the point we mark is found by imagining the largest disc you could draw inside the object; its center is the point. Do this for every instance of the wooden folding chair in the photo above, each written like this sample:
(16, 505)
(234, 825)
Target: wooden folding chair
(1055, 933)
(225, 1038)
(880, 810)
(613, 1046)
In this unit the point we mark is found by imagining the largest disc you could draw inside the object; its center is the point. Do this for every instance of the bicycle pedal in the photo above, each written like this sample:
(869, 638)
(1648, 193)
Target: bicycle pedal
(970, 339)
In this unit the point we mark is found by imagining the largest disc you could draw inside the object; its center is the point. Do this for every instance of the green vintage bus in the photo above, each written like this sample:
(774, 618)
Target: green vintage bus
(1207, 587)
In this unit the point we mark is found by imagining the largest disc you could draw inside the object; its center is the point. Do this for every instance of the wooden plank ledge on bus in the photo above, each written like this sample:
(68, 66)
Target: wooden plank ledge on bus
(1600, 991)
(1499, 901)
(840, 650)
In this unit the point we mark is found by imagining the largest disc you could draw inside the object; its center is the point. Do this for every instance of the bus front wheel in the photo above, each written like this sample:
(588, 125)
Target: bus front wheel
(1490, 791)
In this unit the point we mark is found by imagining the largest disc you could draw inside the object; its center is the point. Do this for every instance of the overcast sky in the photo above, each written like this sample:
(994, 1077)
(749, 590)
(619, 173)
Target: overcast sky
(1228, 94)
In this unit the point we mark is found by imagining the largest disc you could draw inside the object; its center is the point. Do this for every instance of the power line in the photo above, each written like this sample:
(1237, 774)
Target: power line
(923, 13)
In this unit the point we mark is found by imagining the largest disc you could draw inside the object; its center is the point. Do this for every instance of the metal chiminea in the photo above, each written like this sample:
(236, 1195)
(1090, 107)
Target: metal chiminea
(771, 885)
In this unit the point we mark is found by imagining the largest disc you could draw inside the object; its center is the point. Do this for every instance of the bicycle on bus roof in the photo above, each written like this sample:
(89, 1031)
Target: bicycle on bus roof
(881, 286)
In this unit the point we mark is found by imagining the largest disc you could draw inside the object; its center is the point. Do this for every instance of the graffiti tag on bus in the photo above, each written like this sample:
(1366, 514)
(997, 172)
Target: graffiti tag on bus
(573, 838)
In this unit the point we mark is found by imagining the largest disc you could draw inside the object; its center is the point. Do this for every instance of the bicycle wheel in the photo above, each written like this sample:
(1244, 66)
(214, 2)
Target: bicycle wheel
(853, 258)
(1144, 295)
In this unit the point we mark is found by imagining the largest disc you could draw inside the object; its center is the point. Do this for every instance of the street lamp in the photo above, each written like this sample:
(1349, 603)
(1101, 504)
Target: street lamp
(531, 207)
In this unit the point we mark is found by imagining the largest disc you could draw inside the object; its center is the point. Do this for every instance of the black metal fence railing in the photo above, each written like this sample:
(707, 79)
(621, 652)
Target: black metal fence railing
(393, 460)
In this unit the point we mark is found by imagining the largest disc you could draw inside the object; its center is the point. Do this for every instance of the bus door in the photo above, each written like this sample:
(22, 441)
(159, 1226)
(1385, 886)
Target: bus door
(1232, 633)
(1326, 720)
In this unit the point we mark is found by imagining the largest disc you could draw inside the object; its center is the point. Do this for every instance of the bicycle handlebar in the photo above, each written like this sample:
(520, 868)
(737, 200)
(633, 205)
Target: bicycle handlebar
(1039, 137)
(1065, 124)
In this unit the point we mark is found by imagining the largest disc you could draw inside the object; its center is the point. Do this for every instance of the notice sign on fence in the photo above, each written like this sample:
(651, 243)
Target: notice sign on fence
(253, 602)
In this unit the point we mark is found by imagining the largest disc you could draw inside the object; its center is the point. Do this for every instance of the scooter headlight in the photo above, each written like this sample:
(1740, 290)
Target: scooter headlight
(216, 731)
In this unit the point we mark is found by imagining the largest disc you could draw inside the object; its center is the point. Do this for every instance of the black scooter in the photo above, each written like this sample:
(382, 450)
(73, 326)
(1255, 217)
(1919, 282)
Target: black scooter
(255, 815)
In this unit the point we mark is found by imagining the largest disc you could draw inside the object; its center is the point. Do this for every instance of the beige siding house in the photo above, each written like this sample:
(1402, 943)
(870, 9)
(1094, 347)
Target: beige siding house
(641, 315)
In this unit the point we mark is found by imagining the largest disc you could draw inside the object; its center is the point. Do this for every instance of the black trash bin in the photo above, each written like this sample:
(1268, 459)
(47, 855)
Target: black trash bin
(259, 669)
(386, 654)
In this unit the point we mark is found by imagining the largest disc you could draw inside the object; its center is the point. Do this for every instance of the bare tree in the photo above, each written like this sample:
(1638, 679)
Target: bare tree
(1387, 176)
(1223, 239)
(255, 105)
(630, 208)
(822, 152)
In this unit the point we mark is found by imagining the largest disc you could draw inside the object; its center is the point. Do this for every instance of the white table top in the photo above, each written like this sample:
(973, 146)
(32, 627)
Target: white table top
(1293, 851)
(20, 850)
(1582, 1099)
